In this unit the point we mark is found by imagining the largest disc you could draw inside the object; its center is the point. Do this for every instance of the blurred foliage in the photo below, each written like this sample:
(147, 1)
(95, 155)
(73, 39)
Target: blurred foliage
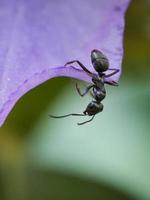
(28, 109)
(62, 186)
(137, 40)
(20, 180)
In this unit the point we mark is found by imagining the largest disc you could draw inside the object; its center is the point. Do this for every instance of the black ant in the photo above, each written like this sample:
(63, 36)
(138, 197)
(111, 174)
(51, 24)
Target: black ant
(100, 64)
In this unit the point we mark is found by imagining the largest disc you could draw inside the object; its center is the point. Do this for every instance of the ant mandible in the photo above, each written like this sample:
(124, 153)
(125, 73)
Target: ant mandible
(101, 65)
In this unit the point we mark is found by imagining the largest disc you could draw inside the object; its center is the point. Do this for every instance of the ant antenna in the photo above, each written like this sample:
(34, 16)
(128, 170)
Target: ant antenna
(86, 121)
(72, 114)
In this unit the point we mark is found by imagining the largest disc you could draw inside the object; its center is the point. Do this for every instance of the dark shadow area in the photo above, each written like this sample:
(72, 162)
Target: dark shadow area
(1, 187)
(30, 107)
(51, 185)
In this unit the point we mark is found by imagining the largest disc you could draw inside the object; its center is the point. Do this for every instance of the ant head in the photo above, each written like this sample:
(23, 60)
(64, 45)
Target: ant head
(93, 108)
(99, 61)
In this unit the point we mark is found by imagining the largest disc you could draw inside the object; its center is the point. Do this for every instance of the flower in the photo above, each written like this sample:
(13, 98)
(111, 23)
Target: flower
(38, 37)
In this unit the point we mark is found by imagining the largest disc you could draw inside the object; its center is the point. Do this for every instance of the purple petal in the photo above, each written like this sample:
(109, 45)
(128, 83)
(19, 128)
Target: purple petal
(38, 37)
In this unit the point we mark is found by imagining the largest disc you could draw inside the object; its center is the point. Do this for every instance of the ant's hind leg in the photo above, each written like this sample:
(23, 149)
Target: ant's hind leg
(115, 71)
(86, 90)
(81, 65)
(113, 83)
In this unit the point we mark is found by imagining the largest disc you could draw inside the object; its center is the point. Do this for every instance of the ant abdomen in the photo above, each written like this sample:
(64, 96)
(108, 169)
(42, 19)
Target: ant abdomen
(99, 61)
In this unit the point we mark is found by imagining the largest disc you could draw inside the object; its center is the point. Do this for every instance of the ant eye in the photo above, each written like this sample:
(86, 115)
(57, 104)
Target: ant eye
(91, 105)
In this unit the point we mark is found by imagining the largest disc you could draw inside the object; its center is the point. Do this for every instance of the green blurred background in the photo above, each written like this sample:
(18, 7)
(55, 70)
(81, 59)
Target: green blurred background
(43, 158)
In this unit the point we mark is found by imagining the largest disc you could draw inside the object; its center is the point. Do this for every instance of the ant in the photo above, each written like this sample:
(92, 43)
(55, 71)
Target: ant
(101, 65)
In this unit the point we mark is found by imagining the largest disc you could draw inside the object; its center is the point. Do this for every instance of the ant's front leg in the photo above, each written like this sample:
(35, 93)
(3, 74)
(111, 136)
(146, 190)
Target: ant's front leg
(115, 71)
(81, 65)
(86, 90)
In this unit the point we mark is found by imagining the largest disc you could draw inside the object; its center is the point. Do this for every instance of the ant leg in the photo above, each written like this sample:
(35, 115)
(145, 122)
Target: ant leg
(81, 65)
(115, 71)
(86, 121)
(85, 92)
(113, 83)
(72, 114)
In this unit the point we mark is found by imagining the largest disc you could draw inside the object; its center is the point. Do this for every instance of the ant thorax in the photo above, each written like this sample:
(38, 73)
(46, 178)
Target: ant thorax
(98, 81)
(99, 91)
